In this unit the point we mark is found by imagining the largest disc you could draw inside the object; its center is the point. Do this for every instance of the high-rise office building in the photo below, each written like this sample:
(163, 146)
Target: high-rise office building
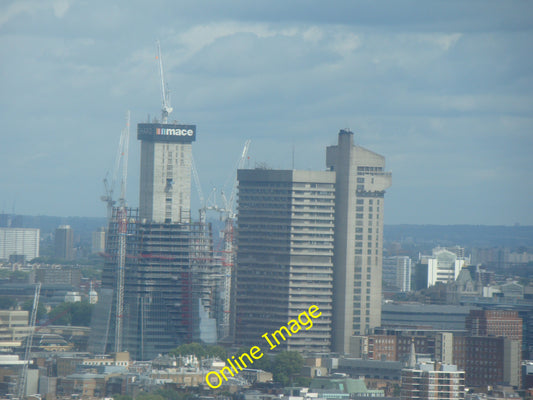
(360, 186)
(64, 242)
(19, 242)
(286, 226)
(166, 157)
(98, 241)
(285, 255)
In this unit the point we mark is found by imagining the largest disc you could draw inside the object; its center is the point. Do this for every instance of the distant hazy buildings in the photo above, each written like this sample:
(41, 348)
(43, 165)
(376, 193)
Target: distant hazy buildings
(443, 266)
(19, 242)
(98, 241)
(397, 272)
(56, 276)
(285, 254)
(64, 242)
(440, 317)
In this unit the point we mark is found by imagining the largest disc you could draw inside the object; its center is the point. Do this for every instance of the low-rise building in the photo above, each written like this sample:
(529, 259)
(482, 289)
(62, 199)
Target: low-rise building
(429, 380)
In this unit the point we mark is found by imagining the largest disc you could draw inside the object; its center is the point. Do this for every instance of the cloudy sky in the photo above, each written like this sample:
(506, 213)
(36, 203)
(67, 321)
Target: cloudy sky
(443, 89)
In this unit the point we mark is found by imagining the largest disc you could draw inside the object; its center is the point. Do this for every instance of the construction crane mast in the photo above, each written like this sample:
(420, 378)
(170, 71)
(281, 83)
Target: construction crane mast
(166, 108)
(111, 178)
(21, 387)
(122, 222)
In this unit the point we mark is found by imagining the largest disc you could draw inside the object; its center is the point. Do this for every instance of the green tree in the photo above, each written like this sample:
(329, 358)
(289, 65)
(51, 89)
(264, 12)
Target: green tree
(60, 315)
(76, 314)
(286, 365)
(121, 397)
(149, 396)
(189, 349)
(28, 306)
(263, 363)
(7, 302)
(216, 351)
(199, 350)
(81, 313)
(172, 394)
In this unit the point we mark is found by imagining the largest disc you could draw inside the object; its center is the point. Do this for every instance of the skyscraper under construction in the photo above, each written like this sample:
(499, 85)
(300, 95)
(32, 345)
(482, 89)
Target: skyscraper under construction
(170, 280)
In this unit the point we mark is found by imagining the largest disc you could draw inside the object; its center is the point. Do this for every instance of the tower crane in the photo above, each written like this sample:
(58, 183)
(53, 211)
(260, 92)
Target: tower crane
(122, 222)
(109, 184)
(21, 387)
(166, 108)
(227, 213)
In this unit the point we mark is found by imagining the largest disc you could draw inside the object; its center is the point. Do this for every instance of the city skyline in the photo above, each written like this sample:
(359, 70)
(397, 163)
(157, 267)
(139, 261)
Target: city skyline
(441, 90)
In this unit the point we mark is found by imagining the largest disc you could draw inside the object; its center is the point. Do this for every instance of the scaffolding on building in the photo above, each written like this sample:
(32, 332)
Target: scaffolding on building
(172, 285)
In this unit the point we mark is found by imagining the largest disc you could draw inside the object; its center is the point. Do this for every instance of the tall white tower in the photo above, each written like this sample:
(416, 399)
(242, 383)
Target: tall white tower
(360, 186)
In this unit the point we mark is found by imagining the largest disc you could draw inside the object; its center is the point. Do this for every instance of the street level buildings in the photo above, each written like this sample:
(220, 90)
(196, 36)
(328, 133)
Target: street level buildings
(285, 241)
(434, 381)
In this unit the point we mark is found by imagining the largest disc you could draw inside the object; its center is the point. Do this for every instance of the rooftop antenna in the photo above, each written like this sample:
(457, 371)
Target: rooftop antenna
(166, 109)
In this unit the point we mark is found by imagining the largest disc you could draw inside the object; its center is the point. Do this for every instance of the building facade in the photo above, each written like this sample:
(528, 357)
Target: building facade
(360, 186)
(98, 241)
(19, 241)
(285, 255)
(427, 381)
(488, 360)
(443, 266)
(397, 272)
(166, 158)
(505, 323)
(64, 242)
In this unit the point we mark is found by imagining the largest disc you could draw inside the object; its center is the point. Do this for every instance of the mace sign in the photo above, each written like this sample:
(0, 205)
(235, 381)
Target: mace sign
(166, 133)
